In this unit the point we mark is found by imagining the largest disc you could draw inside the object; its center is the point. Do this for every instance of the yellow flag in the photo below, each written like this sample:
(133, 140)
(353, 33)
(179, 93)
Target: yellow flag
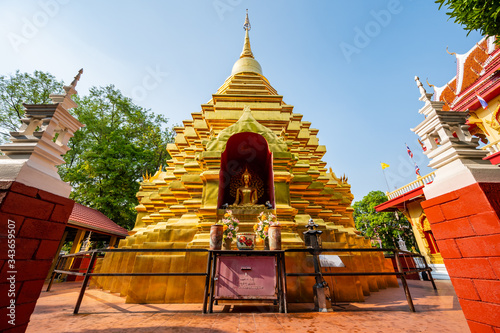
(384, 165)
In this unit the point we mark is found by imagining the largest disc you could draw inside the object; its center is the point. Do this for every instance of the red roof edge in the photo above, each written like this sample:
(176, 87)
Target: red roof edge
(487, 86)
(94, 220)
(391, 204)
(493, 158)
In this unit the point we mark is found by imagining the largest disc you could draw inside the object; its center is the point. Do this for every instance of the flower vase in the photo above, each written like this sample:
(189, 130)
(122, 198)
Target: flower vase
(216, 233)
(274, 238)
(266, 244)
(226, 244)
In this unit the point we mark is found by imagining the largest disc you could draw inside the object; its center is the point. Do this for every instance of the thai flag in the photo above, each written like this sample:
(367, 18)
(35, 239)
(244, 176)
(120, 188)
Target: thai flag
(409, 151)
(424, 148)
(484, 104)
(417, 170)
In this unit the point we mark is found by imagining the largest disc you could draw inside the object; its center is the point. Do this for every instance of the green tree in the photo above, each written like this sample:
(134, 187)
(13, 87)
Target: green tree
(23, 88)
(119, 143)
(387, 226)
(481, 15)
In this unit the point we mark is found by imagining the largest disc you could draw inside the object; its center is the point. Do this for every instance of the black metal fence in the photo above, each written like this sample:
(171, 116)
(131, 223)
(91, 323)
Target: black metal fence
(93, 256)
(414, 264)
(420, 265)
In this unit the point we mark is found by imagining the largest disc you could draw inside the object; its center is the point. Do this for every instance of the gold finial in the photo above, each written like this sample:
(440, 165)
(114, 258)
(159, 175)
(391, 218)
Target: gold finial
(450, 53)
(246, 62)
(247, 25)
(344, 179)
(247, 51)
(430, 85)
(149, 177)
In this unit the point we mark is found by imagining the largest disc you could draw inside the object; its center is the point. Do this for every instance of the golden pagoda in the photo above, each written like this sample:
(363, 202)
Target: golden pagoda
(246, 127)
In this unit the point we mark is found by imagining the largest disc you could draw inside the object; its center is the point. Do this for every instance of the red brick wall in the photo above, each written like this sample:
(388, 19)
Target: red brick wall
(466, 225)
(40, 219)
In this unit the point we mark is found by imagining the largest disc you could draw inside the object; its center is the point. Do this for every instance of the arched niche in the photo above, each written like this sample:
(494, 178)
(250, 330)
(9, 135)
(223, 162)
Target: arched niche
(250, 151)
(428, 235)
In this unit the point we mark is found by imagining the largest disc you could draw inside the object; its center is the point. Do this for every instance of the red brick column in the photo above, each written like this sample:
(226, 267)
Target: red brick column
(466, 225)
(37, 219)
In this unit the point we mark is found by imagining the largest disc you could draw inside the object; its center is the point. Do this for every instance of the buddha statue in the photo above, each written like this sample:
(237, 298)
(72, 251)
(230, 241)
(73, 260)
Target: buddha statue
(246, 195)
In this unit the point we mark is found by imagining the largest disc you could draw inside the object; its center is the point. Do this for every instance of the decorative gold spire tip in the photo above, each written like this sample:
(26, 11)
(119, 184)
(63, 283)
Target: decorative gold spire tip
(247, 25)
(247, 62)
(247, 51)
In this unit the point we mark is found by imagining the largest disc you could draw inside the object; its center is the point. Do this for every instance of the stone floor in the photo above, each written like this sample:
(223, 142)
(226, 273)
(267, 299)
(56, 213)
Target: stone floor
(383, 311)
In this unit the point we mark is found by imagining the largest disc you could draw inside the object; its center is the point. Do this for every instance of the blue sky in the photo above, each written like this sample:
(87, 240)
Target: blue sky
(357, 88)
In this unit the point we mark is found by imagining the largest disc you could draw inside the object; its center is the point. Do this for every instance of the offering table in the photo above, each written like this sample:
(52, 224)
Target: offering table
(240, 275)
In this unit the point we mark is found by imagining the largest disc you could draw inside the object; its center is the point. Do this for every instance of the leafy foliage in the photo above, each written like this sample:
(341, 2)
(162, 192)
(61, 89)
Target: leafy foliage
(387, 226)
(482, 15)
(120, 142)
(23, 88)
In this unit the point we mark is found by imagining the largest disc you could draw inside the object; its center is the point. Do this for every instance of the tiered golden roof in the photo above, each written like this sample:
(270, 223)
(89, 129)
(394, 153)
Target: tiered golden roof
(179, 203)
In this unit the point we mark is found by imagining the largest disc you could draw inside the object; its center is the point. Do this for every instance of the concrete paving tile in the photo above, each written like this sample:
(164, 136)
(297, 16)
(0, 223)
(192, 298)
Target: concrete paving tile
(267, 322)
(247, 323)
(155, 320)
(203, 322)
(225, 323)
(384, 311)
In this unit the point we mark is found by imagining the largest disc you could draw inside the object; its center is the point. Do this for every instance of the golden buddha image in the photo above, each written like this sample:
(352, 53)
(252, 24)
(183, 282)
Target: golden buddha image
(245, 194)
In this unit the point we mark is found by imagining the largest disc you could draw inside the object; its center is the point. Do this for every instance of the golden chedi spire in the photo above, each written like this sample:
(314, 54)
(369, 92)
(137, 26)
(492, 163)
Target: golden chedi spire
(247, 62)
(247, 50)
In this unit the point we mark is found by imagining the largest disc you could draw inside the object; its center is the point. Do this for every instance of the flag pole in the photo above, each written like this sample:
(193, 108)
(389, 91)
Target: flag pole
(417, 169)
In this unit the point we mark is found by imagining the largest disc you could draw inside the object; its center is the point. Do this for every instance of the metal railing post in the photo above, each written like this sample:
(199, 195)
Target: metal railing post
(207, 282)
(403, 281)
(85, 282)
(428, 270)
(285, 302)
(54, 273)
(212, 284)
